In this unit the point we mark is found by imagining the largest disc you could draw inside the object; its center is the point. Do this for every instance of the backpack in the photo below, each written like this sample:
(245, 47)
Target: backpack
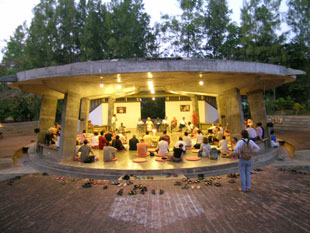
(214, 154)
(246, 150)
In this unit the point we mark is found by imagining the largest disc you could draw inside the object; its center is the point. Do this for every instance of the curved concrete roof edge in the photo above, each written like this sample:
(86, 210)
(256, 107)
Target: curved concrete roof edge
(140, 65)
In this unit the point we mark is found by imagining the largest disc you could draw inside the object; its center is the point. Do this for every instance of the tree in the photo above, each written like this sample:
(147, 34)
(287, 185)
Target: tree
(260, 19)
(184, 33)
(216, 24)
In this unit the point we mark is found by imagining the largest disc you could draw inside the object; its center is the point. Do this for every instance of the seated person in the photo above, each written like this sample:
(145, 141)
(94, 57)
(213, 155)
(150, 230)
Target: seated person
(133, 143)
(77, 147)
(198, 140)
(121, 128)
(83, 136)
(50, 137)
(273, 138)
(102, 140)
(182, 124)
(108, 136)
(252, 133)
(180, 142)
(213, 128)
(205, 148)
(166, 136)
(178, 154)
(95, 141)
(165, 123)
(162, 146)
(108, 152)
(148, 139)
(187, 140)
(140, 125)
(174, 123)
(157, 123)
(85, 151)
(223, 147)
(117, 143)
(122, 137)
(189, 127)
(142, 148)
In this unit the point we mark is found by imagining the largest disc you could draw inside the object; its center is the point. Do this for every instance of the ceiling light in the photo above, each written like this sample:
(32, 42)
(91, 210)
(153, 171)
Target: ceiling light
(153, 91)
(101, 77)
(133, 88)
(149, 75)
(201, 83)
(153, 98)
(119, 86)
(101, 85)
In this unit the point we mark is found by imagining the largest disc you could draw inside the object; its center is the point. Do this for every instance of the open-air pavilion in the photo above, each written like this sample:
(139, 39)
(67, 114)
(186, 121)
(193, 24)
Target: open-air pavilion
(79, 83)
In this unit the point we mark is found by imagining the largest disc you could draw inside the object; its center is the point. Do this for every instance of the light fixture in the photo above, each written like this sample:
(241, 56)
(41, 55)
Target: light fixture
(201, 83)
(152, 91)
(153, 98)
(101, 77)
(149, 75)
(101, 85)
(119, 87)
(200, 75)
(133, 88)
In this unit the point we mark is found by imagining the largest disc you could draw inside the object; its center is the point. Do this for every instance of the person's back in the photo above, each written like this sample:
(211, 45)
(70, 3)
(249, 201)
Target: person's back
(148, 139)
(178, 154)
(133, 143)
(187, 140)
(163, 147)
(142, 148)
(109, 153)
(117, 143)
(223, 146)
(252, 133)
(165, 136)
(108, 136)
(102, 141)
(85, 151)
(205, 149)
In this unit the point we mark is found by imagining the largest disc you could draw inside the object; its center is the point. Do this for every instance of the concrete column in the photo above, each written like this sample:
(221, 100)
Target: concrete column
(195, 107)
(257, 108)
(69, 125)
(221, 109)
(47, 116)
(231, 111)
(111, 102)
(84, 113)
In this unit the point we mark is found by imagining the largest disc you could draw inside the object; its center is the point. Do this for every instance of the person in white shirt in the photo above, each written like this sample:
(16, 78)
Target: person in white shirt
(198, 140)
(162, 147)
(177, 144)
(245, 165)
(165, 123)
(187, 140)
(223, 146)
(149, 125)
(95, 141)
(182, 124)
(252, 133)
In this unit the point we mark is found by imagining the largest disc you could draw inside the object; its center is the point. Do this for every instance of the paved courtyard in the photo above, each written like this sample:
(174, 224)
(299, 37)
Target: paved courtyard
(279, 202)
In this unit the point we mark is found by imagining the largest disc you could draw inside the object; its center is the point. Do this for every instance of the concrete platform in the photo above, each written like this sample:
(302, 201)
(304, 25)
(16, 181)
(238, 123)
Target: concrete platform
(124, 165)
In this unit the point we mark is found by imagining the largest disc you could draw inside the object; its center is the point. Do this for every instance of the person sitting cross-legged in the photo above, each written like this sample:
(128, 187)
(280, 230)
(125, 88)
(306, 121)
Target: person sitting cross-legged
(85, 151)
(108, 152)
(178, 154)
(162, 147)
(133, 143)
(142, 148)
(117, 143)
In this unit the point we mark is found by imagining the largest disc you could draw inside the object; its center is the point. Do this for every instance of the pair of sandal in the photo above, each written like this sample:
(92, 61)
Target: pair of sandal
(87, 185)
(161, 192)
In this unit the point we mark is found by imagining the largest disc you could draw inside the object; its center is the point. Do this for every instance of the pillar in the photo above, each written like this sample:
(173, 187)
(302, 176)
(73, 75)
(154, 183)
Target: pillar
(84, 113)
(47, 115)
(230, 110)
(111, 102)
(257, 108)
(69, 125)
(195, 107)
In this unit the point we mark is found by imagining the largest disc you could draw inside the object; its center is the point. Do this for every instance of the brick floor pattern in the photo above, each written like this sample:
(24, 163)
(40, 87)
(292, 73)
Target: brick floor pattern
(279, 202)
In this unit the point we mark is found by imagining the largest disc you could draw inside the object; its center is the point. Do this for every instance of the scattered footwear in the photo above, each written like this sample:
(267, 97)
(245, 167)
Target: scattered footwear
(87, 185)
(105, 187)
(132, 192)
(185, 186)
(233, 175)
(120, 192)
(115, 183)
(44, 174)
(217, 184)
(193, 187)
(161, 192)
(232, 181)
(178, 183)
(198, 187)
(153, 192)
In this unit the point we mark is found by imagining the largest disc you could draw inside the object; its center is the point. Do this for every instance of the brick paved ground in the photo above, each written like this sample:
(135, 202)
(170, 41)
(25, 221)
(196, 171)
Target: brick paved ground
(279, 203)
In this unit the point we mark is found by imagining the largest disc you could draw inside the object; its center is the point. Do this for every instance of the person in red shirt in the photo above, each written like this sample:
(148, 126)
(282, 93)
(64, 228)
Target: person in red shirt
(102, 140)
(165, 136)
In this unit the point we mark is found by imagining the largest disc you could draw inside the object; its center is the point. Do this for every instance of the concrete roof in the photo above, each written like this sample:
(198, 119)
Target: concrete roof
(178, 76)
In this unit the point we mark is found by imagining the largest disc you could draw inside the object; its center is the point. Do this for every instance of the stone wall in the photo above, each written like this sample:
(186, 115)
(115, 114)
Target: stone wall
(18, 128)
(283, 122)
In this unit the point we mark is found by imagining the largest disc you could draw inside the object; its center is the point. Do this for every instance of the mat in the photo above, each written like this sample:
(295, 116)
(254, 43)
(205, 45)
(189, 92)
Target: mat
(139, 160)
(113, 160)
(193, 158)
(195, 150)
(161, 160)
(142, 155)
(160, 155)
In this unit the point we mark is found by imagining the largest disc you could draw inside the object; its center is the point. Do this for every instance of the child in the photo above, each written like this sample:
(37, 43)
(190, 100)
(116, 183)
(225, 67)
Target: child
(205, 148)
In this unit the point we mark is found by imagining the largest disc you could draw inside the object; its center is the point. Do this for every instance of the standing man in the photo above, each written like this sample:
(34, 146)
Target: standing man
(245, 149)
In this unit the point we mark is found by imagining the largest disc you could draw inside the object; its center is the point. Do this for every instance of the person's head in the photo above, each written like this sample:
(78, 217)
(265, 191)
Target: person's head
(77, 142)
(166, 117)
(199, 132)
(84, 131)
(234, 140)
(147, 133)
(142, 140)
(122, 124)
(223, 137)
(133, 136)
(107, 143)
(117, 137)
(148, 118)
(180, 138)
(96, 133)
(181, 145)
(247, 126)
(165, 132)
(101, 133)
(220, 125)
(85, 142)
(114, 115)
(271, 131)
(205, 140)
(183, 118)
(186, 133)
(189, 123)
(244, 134)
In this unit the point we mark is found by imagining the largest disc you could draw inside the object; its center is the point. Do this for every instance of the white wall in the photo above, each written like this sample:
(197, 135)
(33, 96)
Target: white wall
(173, 110)
(202, 111)
(130, 118)
(96, 116)
(211, 113)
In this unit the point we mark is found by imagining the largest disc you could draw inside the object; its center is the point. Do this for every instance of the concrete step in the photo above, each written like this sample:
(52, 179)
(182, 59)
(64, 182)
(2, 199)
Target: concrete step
(6, 163)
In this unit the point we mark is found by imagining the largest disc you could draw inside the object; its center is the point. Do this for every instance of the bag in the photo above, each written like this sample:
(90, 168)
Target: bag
(214, 154)
(246, 150)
